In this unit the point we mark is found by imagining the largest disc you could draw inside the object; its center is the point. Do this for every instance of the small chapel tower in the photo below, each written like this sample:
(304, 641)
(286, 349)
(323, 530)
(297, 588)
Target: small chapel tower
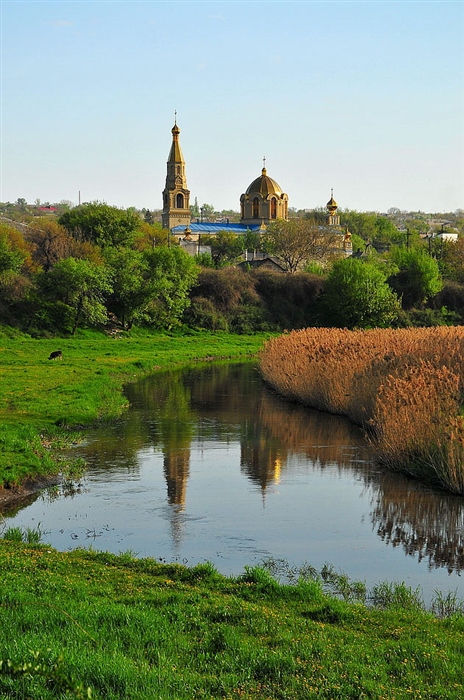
(176, 196)
(333, 218)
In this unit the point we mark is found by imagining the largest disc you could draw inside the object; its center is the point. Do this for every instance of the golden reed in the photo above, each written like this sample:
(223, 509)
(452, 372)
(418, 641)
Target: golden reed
(405, 386)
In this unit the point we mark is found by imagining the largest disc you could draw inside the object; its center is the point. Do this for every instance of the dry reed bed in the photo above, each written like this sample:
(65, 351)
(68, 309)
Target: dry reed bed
(405, 386)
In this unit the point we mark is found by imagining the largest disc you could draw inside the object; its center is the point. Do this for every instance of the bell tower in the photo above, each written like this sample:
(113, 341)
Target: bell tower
(176, 196)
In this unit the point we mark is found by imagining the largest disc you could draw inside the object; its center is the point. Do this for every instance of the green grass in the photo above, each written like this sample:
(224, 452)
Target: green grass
(85, 624)
(128, 628)
(41, 399)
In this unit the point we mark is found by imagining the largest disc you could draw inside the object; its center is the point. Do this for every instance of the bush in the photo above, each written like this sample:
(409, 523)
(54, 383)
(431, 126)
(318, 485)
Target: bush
(290, 299)
(202, 313)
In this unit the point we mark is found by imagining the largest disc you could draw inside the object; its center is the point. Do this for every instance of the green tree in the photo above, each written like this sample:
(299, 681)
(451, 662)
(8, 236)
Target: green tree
(11, 258)
(148, 216)
(78, 288)
(101, 224)
(356, 295)
(207, 211)
(131, 293)
(418, 277)
(450, 255)
(225, 247)
(171, 275)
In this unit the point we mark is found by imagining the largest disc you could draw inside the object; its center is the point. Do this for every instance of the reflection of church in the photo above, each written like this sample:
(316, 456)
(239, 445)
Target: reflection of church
(262, 203)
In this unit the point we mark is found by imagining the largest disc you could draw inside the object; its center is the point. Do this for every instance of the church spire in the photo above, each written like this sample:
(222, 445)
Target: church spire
(176, 207)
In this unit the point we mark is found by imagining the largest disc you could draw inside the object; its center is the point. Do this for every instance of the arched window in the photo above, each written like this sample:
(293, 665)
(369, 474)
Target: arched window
(273, 208)
(180, 201)
(256, 208)
(178, 169)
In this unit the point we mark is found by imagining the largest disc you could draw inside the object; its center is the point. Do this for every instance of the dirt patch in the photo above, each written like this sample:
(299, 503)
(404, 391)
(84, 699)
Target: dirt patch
(28, 488)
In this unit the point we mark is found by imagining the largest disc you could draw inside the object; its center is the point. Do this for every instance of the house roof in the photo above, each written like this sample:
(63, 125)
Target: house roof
(214, 227)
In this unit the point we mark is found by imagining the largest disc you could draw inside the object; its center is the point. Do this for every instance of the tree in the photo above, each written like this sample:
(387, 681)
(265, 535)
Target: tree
(451, 258)
(371, 227)
(150, 235)
(131, 293)
(102, 224)
(356, 295)
(79, 288)
(171, 274)
(11, 258)
(148, 216)
(299, 241)
(225, 247)
(418, 277)
(15, 277)
(207, 211)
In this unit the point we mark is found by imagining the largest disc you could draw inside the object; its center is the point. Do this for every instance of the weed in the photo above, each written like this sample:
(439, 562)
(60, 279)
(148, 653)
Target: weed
(447, 605)
(29, 535)
(396, 595)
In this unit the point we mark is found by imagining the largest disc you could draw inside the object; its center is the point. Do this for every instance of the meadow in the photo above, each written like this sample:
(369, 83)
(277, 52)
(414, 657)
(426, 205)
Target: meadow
(44, 404)
(404, 386)
(86, 624)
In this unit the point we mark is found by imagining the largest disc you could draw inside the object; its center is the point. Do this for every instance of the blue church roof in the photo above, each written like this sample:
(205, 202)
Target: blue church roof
(214, 227)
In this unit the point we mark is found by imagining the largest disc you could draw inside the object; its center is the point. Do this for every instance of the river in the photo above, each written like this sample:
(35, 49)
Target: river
(207, 464)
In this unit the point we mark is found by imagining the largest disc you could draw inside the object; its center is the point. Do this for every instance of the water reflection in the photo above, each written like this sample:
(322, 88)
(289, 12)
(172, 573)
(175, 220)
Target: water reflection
(221, 403)
(427, 525)
(209, 425)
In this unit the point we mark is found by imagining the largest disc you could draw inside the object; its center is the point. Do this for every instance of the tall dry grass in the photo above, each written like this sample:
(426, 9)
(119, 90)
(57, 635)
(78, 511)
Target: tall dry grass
(405, 386)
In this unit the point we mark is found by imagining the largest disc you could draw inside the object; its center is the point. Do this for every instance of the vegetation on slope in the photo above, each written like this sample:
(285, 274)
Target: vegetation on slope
(95, 625)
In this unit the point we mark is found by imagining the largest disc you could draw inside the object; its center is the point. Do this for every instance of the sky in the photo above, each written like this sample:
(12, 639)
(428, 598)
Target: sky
(366, 98)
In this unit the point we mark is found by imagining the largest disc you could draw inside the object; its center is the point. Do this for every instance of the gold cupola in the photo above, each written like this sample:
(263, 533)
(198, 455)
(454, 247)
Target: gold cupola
(333, 218)
(263, 201)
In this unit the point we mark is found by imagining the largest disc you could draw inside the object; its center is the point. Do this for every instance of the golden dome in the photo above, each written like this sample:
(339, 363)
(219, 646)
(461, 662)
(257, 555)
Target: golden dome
(265, 186)
(332, 204)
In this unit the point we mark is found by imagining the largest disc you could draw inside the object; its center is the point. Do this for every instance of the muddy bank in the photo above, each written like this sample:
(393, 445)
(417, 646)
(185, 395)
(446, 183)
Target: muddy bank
(12, 494)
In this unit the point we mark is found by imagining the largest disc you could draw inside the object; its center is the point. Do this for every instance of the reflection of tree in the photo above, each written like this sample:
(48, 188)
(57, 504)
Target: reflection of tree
(429, 525)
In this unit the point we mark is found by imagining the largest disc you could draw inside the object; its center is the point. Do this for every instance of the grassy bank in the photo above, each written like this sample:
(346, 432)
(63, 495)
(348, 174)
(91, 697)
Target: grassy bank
(405, 386)
(87, 624)
(40, 398)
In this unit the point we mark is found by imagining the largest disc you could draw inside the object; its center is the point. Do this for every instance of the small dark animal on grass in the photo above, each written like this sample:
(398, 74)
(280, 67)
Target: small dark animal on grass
(56, 355)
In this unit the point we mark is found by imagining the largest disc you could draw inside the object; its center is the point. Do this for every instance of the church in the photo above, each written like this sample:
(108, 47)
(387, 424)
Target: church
(263, 202)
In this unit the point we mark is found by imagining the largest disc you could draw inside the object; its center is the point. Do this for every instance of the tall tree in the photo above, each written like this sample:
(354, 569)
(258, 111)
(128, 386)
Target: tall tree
(131, 292)
(80, 288)
(299, 241)
(101, 224)
(356, 295)
(418, 277)
(171, 274)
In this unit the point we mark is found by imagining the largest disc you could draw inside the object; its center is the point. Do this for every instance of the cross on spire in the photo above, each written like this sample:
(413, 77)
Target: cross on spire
(175, 117)
(264, 161)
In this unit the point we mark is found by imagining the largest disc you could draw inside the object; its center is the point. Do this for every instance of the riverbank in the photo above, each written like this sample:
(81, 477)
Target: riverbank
(404, 386)
(103, 626)
(46, 404)
(88, 624)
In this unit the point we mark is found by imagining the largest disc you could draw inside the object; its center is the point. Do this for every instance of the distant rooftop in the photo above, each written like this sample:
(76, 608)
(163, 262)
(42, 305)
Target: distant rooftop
(214, 227)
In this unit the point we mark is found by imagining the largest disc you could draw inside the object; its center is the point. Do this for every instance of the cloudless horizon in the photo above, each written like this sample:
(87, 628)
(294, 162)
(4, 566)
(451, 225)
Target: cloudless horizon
(366, 98)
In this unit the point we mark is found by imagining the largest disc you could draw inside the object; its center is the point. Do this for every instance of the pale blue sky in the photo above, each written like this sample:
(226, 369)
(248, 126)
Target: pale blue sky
(364, 97)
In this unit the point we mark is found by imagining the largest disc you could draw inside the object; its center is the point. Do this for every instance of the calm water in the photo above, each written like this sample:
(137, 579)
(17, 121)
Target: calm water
(209, 465)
